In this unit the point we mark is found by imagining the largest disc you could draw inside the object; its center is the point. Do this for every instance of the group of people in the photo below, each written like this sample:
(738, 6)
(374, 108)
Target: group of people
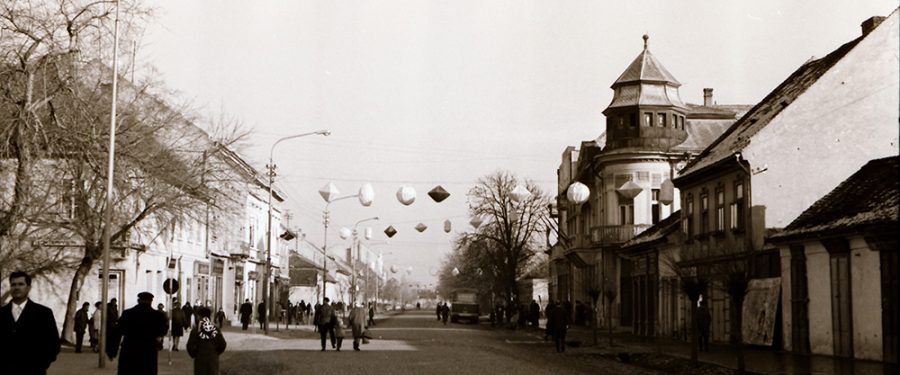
(290, 314)
(29, 331)
(331, 326)
(442, 311)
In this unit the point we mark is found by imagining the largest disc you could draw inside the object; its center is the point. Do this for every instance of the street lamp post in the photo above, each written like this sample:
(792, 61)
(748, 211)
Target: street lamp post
(271, 172)
(352, 262)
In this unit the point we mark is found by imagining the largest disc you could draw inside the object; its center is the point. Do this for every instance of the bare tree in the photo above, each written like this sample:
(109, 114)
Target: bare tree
(514, 230)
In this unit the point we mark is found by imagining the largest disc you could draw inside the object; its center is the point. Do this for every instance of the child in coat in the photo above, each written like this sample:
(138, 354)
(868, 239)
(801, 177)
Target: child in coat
(339, 332)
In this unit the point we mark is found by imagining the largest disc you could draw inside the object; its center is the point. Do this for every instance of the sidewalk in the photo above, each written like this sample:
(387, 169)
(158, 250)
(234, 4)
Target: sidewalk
(627, 347)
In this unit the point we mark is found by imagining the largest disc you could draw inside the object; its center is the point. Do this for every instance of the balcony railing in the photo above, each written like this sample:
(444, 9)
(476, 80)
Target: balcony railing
(615, 234)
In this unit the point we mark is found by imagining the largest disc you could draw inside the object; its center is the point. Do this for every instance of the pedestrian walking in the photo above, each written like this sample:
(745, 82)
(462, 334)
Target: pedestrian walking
(29, 339)
(371, 321)
(703, 320)
(112, 317)
(188, 311)
(220, 318)
(548, 311)
(445, 312)
(325, 321)
(534, 313)
(438, 310)
(139, 332)
(357, 324)
(205, 344)
(261, 314)
(339, 332)
(95, 326)
(246, 314)
(81, 323)
(558, 324)
(179, 323)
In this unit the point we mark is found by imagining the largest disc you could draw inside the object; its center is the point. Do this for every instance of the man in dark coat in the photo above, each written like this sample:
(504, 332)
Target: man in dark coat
(703, 320)
(29, 339)
(558, 324)
(141, 329)
(179, 323)
(534, 314)
(81, 323)
(325, 322)
(188, 314)
(246, 314)
(261, 314)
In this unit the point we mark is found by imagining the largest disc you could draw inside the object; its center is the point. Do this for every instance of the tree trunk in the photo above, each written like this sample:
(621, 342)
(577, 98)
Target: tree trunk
(84, 268)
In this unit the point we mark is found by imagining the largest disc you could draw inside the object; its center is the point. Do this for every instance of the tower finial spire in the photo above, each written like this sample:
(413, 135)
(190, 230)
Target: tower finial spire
(646, 38)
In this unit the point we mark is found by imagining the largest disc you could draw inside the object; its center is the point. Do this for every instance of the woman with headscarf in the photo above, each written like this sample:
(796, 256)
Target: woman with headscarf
(205, 344)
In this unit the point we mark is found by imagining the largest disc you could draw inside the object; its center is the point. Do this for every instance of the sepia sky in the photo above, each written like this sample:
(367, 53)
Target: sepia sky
(430, 93)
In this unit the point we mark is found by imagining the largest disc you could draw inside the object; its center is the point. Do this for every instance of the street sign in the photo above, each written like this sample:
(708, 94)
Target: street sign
(170, 286)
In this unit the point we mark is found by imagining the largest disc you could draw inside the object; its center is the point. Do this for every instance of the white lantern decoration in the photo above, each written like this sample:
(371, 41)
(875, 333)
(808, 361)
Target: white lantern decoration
(455, 271)
(329, 192)
(366, 195)
(476, 221)
(520, 194)
(394, 269)
(433, 271)
(345, 233)
(406, 195)
(666, 192)
(578, 193)
(409, 270)
(368, 233)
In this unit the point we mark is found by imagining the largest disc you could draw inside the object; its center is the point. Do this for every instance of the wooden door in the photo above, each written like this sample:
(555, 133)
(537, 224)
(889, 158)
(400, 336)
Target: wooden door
(799, 301)
(841, 311)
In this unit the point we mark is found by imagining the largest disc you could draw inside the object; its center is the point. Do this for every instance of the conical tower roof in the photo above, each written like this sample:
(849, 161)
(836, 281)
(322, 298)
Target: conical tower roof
(646, 68)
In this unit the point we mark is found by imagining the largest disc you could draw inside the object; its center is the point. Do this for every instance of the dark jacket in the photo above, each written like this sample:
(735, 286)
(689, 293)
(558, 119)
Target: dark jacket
(81, 320)
(179, 322)
(204, 345)
(261, 312)
(30, 344)
(188, 314)
(246, 312)
(139, 328)
(558, 321)
(326, 314)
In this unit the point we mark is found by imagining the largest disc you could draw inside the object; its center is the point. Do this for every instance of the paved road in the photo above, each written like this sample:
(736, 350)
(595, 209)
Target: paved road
(409, 343)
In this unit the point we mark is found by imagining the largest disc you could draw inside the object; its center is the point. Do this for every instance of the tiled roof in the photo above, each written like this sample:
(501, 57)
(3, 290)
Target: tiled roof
(702, 133)
(871, 196)
(738, 135)
(646, 68)
(656, 232)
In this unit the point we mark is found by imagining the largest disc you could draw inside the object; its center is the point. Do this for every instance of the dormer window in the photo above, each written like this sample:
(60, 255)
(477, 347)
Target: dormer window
(648, 119)
(661, 120)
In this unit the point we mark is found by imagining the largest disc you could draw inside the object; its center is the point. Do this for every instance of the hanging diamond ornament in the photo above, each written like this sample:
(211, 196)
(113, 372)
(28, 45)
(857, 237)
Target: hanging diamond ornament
(478, 271)
(578, 193)
(476, 221)
(406, 195)
(421, 227)
(329, 192)
(520, 194)
(438, 194)
(629, 190)
(390, 231)
(366, 195)
(455, 271)
(447, 226)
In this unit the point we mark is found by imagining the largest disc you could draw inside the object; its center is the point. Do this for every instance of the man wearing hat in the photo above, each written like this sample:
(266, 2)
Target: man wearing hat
(141, 329)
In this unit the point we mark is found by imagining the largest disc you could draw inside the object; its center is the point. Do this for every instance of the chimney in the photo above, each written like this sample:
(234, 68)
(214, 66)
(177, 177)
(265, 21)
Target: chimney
(870, 24)
(707, 97)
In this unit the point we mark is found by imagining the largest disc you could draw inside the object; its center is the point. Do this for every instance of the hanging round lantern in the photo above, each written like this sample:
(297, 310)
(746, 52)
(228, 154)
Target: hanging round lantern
(409, 270)
(368, 233)
(406, 195)
(421, 227)
(578, 193)
(433, 271)
(366, 195)
(476, 221)
(345, 233)
(329, 192)
(520, 194)
(447, 226)
(438, 194)
(666, 192)
(455, 271)
(394, 269)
